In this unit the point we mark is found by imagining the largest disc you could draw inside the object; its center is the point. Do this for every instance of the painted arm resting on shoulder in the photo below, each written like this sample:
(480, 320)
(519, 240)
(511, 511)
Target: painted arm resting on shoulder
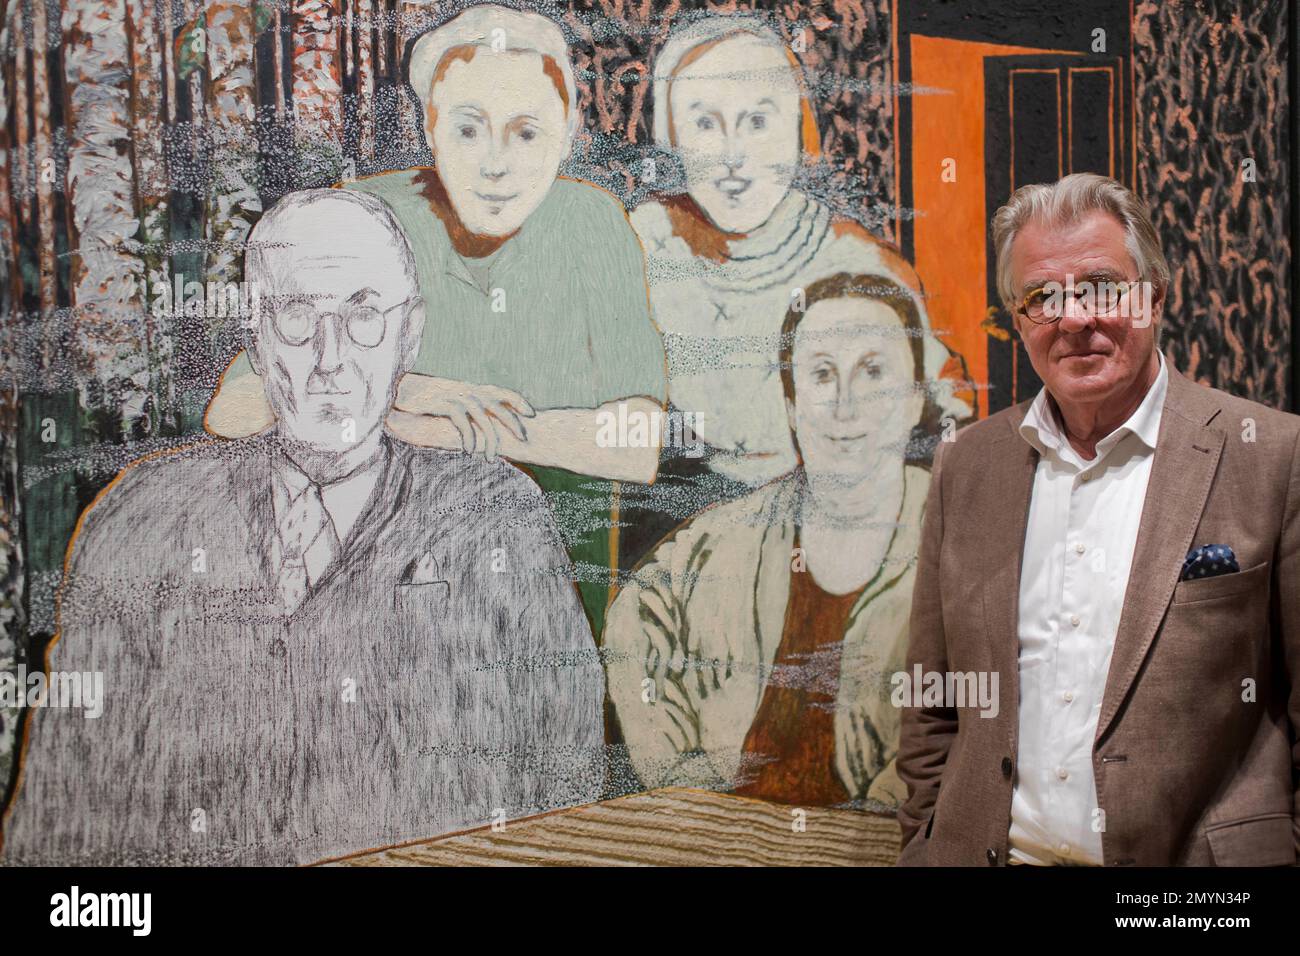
(439, 413)
(926, 733)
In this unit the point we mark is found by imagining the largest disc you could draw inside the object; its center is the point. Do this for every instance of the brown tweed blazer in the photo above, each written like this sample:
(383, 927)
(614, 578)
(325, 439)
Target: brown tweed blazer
(1196, 755)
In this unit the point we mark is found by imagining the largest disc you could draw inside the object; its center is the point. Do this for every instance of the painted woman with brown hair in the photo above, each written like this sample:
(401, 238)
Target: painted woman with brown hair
(752, 649)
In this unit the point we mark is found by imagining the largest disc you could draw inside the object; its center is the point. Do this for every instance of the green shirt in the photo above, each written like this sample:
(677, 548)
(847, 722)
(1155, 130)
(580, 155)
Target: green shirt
(559, 313)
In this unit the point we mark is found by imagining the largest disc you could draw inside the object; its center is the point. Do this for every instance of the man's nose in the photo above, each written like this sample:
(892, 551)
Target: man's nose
(329, 349)
(1074, 317)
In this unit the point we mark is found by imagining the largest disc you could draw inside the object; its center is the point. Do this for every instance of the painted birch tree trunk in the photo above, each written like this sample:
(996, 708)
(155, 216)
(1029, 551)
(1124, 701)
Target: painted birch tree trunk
(11, 293)
(317, 90)
(410, 20)
(44, 163)
(106, 274)
(20, 185)
(365, 73)
(148, 132)
(233, 202)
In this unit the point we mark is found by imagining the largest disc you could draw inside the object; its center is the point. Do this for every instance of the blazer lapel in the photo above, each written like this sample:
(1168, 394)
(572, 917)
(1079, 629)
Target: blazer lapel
(1011, 481)
(1186, 458)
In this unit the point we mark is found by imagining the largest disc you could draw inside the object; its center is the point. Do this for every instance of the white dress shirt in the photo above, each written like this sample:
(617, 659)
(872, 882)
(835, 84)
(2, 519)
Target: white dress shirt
(1083, 526)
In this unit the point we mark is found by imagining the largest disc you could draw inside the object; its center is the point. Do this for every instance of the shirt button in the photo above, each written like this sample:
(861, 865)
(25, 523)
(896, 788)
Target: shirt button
(1086, 476)
(1062, 773)
(1079, 548)
(992, 856)
(1074, 620)
(1068, 696)
(1007, 766)
(1065, 849)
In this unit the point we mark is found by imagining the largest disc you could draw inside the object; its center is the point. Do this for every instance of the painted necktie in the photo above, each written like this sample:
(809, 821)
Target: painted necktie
(308, 545)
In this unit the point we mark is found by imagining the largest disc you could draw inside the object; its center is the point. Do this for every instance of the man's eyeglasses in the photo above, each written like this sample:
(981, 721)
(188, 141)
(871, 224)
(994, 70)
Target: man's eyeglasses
(296, 320)
(1101, 298)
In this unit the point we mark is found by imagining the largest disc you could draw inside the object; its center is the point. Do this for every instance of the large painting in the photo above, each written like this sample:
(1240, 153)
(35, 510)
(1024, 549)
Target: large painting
(429, 419)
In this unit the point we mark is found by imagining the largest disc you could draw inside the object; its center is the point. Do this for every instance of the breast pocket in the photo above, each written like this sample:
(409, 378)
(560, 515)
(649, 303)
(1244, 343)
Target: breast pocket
(1223, 586)
(1215, 628)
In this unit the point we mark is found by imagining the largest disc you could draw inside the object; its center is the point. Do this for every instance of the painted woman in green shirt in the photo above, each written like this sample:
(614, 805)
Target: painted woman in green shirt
(538, 322)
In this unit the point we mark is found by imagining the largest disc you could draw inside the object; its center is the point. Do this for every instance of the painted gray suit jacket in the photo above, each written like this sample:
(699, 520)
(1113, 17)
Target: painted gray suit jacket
(440, 676)
(1187, 771)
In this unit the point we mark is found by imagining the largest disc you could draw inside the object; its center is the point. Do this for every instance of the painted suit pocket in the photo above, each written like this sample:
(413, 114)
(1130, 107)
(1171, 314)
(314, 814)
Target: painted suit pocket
(426, 597)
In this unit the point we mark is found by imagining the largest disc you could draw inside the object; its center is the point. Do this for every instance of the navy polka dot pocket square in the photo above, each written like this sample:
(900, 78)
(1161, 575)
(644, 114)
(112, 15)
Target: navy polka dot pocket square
(1209, 561)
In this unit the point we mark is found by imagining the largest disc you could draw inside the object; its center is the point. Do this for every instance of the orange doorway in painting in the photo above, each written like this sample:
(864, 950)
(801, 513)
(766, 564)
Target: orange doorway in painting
(986, 119)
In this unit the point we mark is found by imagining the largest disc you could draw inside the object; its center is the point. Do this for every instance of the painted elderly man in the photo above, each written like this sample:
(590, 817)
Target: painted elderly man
(1124, 551)
(317, 640)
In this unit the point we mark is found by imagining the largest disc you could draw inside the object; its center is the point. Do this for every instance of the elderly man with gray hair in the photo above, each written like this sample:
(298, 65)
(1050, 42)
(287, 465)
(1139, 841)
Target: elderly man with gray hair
(1124, 552)
(316, 640)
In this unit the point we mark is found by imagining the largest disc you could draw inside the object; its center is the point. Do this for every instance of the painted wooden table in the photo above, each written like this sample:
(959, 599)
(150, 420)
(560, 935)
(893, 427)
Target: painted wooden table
(670, 827)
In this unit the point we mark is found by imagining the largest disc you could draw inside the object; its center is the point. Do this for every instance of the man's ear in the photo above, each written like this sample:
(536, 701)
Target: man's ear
(412, 332)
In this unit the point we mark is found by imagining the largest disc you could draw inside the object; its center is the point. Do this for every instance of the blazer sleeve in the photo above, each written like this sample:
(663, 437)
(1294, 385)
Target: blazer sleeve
(926, 733)
(1288, 594)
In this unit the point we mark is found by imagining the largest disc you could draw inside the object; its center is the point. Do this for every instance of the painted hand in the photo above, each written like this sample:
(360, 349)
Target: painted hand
(483, 414)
